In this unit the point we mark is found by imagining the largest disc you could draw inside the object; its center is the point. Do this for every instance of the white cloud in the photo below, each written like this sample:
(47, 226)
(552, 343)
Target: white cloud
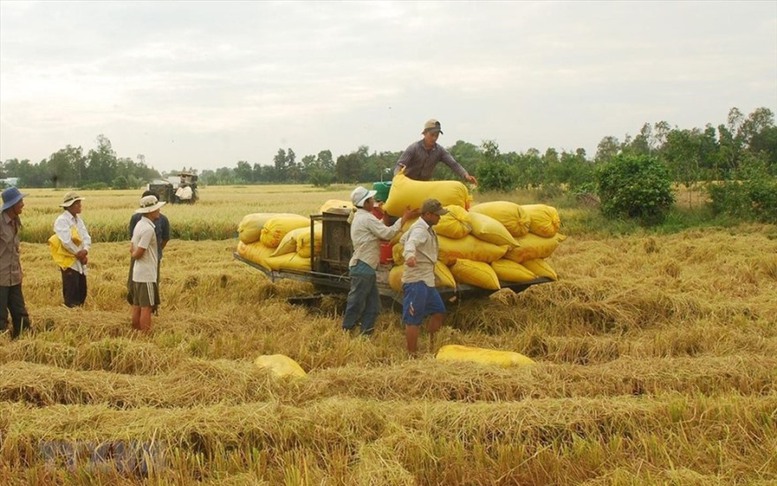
(235, 81)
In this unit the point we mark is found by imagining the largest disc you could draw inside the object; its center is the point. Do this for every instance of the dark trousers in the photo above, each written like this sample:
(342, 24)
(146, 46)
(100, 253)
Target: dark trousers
(12, 299)
(73, 287)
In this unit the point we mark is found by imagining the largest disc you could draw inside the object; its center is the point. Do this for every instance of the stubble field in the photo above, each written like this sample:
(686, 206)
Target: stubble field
(656, 363)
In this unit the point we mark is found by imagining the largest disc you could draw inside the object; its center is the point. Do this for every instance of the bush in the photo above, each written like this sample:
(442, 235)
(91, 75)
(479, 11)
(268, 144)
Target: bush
(496, 176)
(120, 183)
(750, 199)
(95, 186)
(635, 186)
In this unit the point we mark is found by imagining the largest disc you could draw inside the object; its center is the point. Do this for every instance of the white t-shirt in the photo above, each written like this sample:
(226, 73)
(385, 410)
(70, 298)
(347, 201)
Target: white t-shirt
(144, 236)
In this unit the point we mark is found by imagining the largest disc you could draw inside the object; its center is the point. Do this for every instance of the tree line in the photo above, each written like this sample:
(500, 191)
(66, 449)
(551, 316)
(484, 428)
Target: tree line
(719, 152)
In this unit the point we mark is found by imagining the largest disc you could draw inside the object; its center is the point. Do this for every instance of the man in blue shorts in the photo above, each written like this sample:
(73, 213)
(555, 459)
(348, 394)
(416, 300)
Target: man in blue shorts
(421, 298)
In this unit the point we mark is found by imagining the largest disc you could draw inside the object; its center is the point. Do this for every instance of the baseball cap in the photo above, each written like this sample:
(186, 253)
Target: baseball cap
(433, 206)
(432, 125)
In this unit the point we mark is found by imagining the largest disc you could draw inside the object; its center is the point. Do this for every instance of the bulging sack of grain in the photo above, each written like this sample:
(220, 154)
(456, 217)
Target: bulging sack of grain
(541, 268)
(255, 252)
(511, 215)
(456, 224)
(509, 271)
(303, 240)
(288, 244)
(531, 246)
(469, 248)
(280, 365)
(407, 192)
(289, 261)
(442, 277)
(506, 359)
(250, 227)
(544, 219)
(275, 228)
(335, 203)
(477, 274)
(405, 226)
(486, 228)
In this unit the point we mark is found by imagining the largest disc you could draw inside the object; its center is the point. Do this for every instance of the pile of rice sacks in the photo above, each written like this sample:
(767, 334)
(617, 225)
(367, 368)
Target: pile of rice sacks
(482, 245)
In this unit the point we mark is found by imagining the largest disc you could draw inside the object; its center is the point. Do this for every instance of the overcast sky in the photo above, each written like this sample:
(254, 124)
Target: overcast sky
(206, 84)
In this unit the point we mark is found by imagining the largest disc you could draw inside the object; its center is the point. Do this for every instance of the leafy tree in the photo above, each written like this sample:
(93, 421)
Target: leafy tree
(607, 149)
(101, 163)
(493, 171)
(244, 172)
(635, 186)
(349, 167)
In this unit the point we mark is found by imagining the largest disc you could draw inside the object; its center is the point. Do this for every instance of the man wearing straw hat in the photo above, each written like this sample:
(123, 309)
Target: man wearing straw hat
(74, 240)
(11, 297)
(144, 290)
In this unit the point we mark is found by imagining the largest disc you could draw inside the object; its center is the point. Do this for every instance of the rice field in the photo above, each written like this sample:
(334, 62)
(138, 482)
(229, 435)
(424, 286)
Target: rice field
(656, 364)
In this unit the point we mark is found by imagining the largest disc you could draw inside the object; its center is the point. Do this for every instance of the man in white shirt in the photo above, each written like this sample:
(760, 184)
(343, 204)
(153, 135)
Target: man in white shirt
(144, 290)
(363, 305)
(71, 231)
(420, 297)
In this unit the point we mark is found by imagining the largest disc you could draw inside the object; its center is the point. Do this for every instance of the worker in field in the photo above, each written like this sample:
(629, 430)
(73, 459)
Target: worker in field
(420, 158)
(420, 297)
(143, 289)
(74, 241)
(161, 227)
(11, 296)
(363, 305)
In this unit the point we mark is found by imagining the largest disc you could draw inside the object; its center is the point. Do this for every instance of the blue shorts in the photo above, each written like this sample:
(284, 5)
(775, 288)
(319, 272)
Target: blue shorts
(420, 301)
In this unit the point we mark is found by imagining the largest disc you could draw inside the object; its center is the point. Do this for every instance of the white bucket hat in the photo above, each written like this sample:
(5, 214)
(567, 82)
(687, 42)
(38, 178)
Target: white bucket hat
(149, 204)
(360, 195)
(69, 199)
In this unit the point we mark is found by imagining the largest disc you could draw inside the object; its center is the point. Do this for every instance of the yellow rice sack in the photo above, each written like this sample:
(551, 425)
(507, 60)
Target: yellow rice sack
(486, 228)
(541, 268)
(442, 277)
(456, 224)
(396, 254)
(506, 359)
(408, 192)
(544, 219)
(405, 226)
(509, 271)
(250, 227)
(511, 215)
(289, 261)
(280, 365)
(61, 256)
(288, 244)
(531, 246)
(469, 248)
(335, 203)
(303, 241)
(255, 252)
(478, 274)
(275, 228)
(395, 278)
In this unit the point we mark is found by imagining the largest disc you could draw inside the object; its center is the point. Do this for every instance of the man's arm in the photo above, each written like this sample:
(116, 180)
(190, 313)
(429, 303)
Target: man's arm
(133, 221)
(165, 224)
(62, 229)
(448, 160)
(404, 159)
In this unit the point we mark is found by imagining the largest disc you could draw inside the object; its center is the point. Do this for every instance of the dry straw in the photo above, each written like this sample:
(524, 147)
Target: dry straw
(655, 365)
